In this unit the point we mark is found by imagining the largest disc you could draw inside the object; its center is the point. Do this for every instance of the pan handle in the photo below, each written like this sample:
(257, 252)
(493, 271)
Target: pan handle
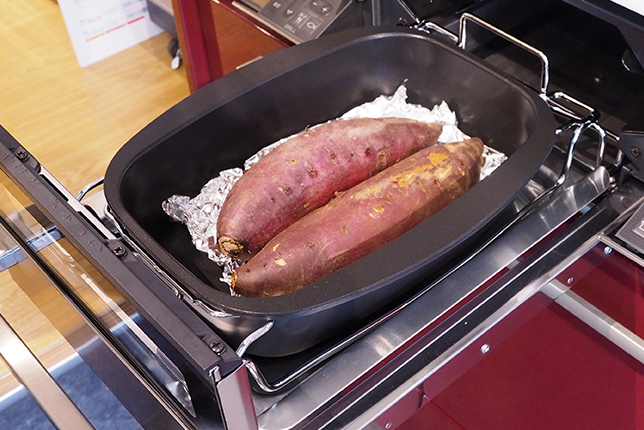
(460, 40)
(431, 27)
(545, 64)
(246, 343)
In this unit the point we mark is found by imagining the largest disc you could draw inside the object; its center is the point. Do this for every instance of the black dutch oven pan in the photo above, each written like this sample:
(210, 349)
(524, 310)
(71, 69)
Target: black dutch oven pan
(224, 123)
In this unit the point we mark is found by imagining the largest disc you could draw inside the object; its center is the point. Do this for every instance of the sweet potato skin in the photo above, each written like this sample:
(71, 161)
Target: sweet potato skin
(362, 219)
(306, 171)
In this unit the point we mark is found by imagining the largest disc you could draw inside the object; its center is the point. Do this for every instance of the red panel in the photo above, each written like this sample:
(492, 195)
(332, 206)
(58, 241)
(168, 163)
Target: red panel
(465, 360)
(401, 411)
(612, 283)
(553, 373)
(196, 29)
(430, 417)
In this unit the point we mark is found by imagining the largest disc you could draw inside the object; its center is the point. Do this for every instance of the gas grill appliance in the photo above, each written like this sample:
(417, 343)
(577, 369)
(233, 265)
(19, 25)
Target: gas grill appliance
(527, 309)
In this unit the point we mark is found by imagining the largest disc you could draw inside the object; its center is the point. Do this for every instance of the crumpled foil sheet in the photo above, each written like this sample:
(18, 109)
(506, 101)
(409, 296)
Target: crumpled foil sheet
(200, 213)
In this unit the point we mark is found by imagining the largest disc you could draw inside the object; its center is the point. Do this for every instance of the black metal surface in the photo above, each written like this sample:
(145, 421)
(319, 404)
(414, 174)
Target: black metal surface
(220, 126)
(631, 142)
(629, 23)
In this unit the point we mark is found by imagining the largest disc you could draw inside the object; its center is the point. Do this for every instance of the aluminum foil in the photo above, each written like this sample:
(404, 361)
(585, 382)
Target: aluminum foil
(200, 213)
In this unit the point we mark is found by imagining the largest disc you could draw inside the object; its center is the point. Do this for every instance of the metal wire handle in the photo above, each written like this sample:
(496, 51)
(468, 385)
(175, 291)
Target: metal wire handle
(429, 27)
(545, 63)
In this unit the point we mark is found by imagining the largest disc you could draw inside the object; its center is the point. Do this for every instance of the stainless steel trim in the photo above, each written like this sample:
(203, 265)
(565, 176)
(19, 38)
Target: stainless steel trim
(235, 401)
(76, 205)
(58, 407)
(622, 250)
(606, 326)
(376, 12)
(274, 387)
(207, 309)
(11, 256)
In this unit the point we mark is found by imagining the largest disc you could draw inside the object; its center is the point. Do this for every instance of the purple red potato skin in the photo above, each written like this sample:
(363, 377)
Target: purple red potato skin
(362, 219)
(306, 171)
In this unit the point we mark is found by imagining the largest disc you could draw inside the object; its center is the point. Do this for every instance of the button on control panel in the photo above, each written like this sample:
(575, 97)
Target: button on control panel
(303, 20)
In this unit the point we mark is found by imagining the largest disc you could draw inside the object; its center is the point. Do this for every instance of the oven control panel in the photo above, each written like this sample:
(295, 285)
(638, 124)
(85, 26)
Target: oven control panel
(303, 20)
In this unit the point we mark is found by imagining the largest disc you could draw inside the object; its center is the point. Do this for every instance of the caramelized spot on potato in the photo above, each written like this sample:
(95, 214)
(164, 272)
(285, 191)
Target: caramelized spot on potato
(438, 158)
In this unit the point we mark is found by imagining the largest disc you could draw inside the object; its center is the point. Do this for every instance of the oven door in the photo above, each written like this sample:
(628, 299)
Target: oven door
(83, 318)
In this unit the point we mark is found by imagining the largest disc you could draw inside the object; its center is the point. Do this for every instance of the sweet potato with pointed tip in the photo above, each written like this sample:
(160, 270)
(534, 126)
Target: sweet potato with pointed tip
(362, 219)
(307, 170)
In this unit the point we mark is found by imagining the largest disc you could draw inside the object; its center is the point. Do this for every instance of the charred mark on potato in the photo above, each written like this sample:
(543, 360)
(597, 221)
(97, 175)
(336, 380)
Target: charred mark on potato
(334, 158)
(382, 160)
(310, 170)
(230, 246)
(286, 190)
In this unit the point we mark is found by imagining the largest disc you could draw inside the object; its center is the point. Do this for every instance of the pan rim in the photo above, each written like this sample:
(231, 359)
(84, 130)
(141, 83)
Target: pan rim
(299, 302)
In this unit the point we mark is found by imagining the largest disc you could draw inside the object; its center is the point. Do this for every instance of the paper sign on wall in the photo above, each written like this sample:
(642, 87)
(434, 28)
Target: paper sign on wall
(101, 28)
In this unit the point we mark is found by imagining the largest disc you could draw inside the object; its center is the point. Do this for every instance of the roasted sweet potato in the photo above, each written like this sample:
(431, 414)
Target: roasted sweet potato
(362, 219)
(307, 170)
